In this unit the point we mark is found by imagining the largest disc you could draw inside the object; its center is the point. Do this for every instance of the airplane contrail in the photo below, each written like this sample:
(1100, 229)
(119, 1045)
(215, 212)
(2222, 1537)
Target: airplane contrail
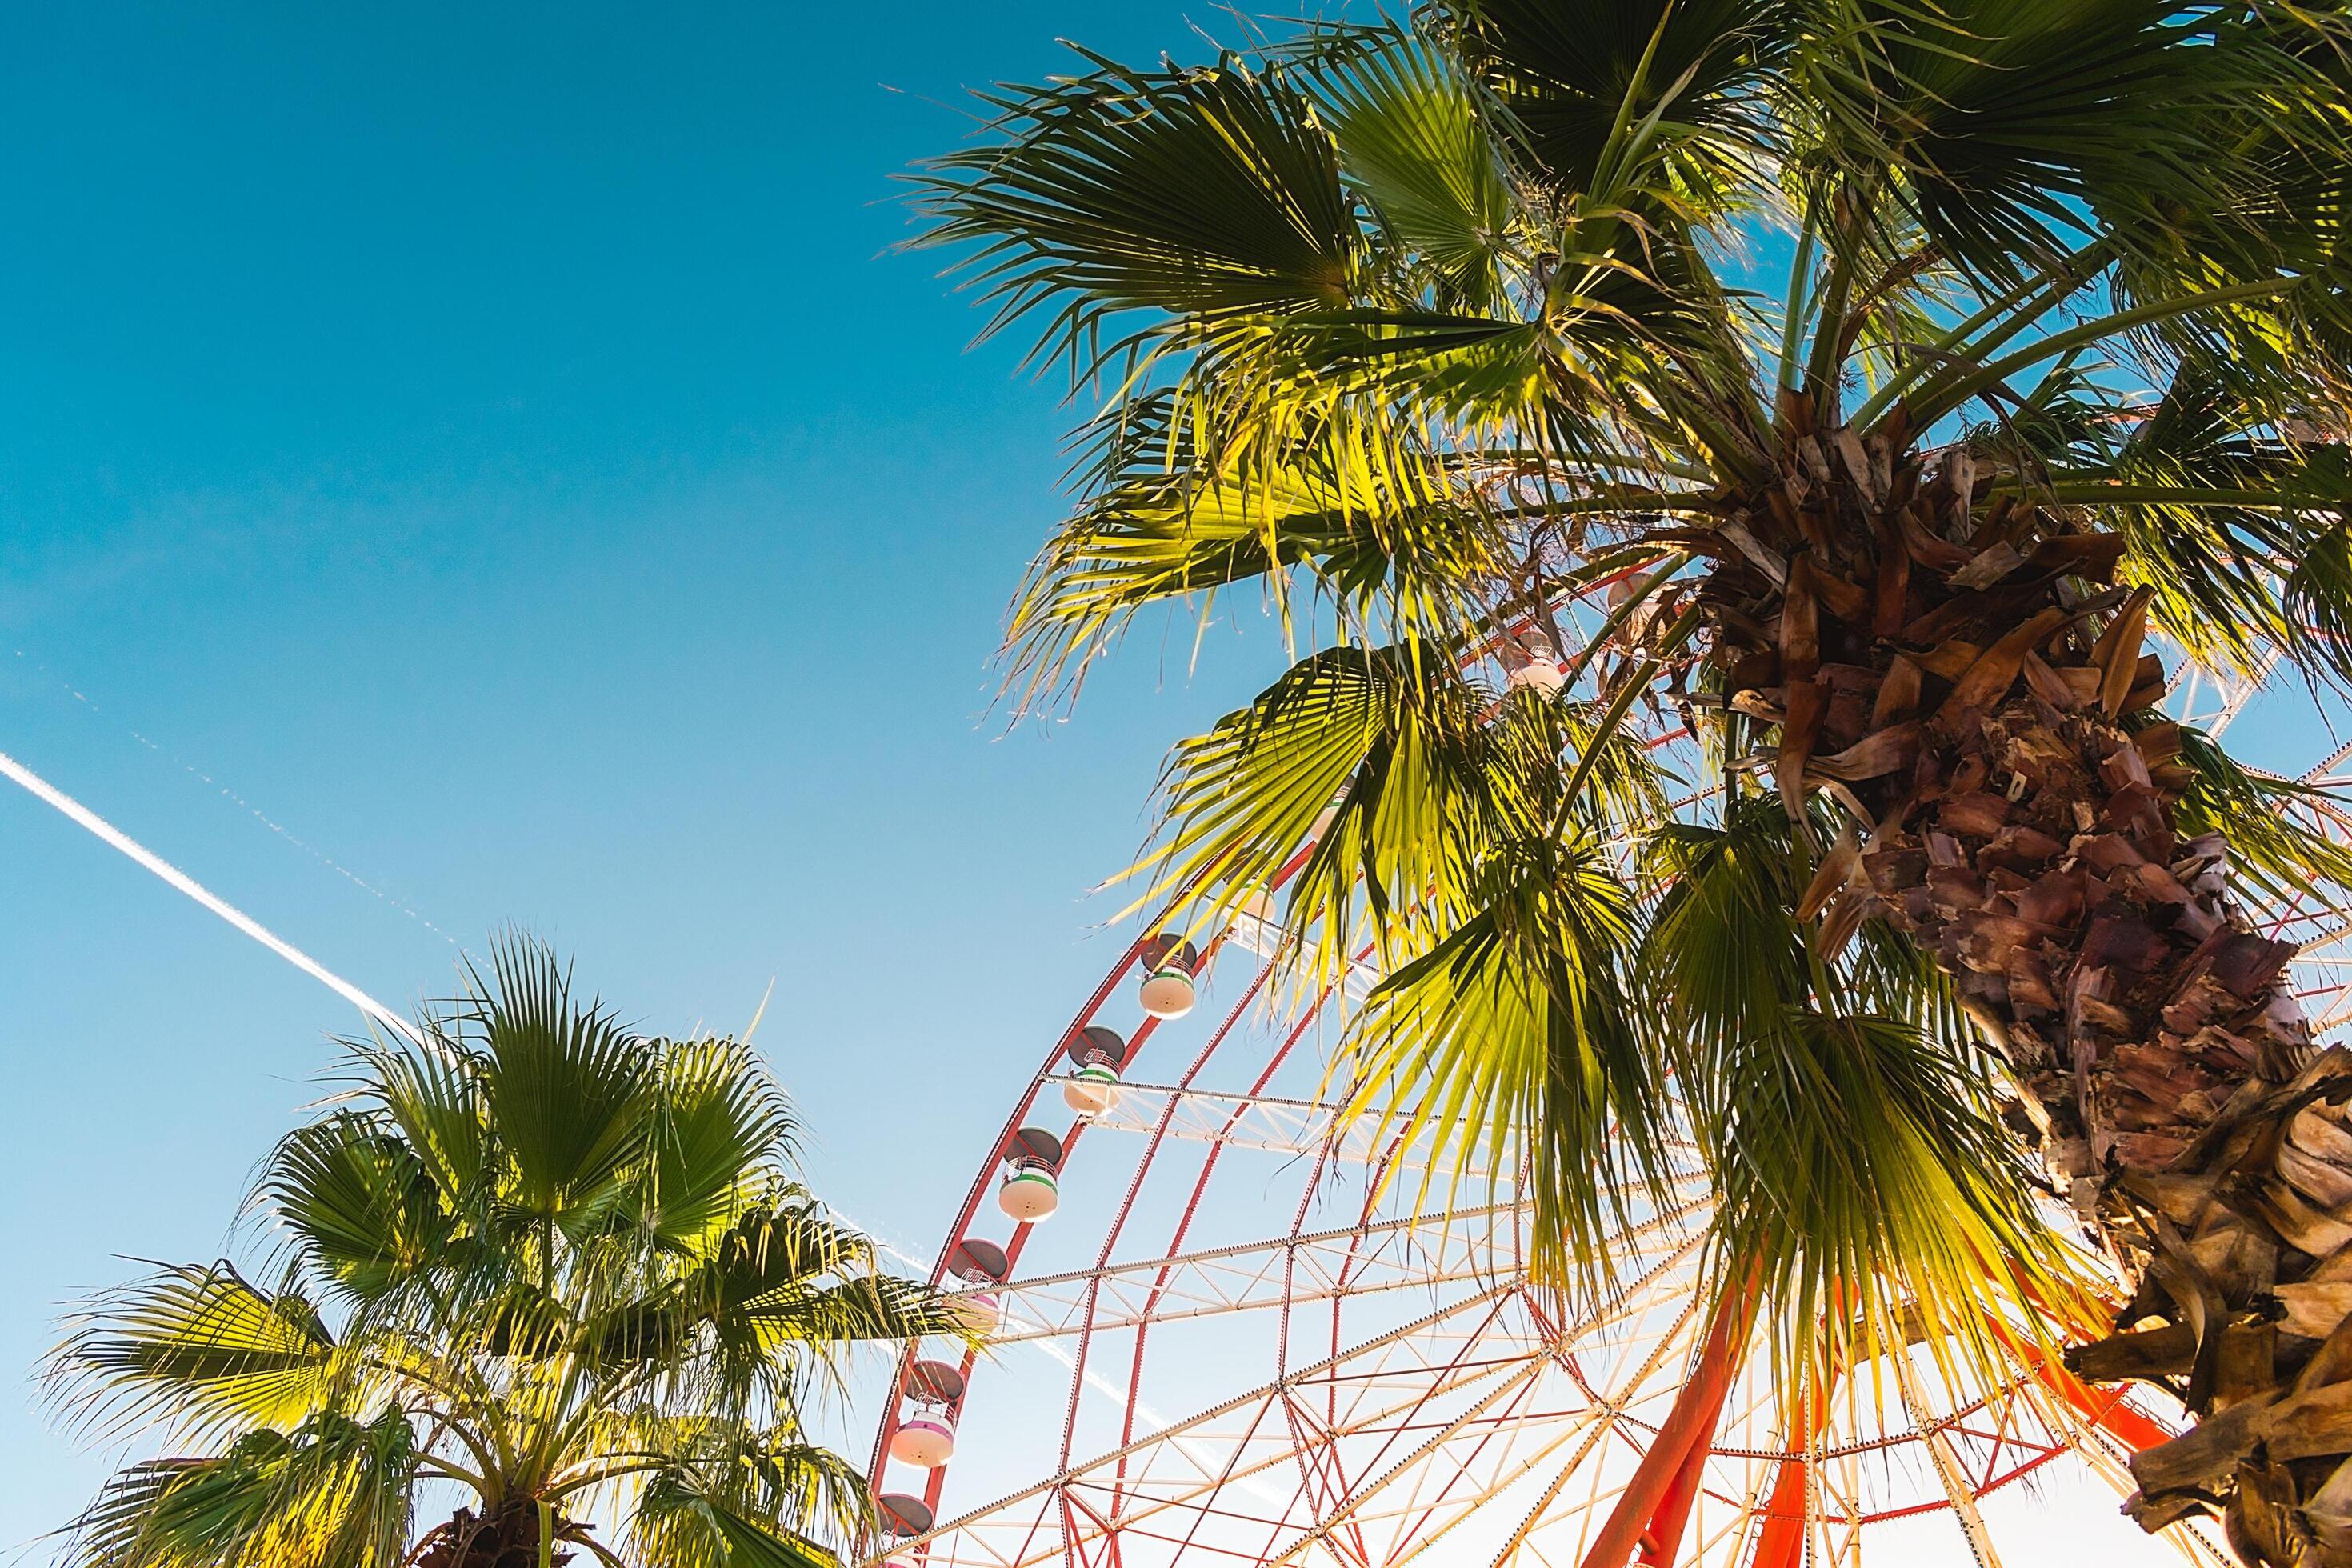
(42, 789)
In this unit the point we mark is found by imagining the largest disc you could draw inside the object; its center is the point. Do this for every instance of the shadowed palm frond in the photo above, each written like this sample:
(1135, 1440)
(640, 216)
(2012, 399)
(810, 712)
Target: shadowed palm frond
(1203, 194)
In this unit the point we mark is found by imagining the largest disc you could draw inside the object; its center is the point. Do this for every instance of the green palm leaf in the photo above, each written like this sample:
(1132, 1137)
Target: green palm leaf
(333, 1493)
(1203, 195)
(200, 1347)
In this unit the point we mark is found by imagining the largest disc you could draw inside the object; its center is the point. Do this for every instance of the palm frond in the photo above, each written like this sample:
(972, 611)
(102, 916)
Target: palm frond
(1569, 81)
(2280, 134)
(2280, 841)
(1414, 141)
(1388, 739)
(365, 1210)
(566, 1086)
(720, 1131)
(2001, 117)
(333, 1493)
(1864, 1185)
(1508, 1051)
(200, 1348)
(2250, 504)
(679, 1524)
(1205, 195)
(1344, 495)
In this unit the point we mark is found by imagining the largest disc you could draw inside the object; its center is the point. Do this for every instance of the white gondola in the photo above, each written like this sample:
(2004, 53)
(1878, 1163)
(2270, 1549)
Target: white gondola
(1031, 1190)
(925, 1434)
(1096, 1054)
(1029, 1193)
(1168, 989)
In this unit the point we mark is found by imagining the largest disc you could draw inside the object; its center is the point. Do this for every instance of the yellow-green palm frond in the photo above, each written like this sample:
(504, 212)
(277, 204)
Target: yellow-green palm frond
(362, 1206)
(1506, 1051)
(199, 1348)
(2280, 842)
(1346, 497)
(1389, 741)
(331, 1493)
(1864, 1183)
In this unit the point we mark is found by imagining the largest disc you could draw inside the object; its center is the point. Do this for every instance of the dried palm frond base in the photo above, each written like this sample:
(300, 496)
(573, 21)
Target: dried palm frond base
(1966, 682)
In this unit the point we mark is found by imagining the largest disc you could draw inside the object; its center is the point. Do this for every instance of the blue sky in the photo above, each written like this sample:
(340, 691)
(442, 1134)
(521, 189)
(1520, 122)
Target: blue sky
(495, 443)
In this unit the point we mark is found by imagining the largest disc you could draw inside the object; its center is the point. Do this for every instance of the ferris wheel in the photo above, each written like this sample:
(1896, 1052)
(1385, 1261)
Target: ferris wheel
(1227, 1325)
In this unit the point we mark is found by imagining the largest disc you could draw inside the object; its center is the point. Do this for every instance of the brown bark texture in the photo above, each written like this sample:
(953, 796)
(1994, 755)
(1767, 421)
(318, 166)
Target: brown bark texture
(506, 1537)
(1964, 677)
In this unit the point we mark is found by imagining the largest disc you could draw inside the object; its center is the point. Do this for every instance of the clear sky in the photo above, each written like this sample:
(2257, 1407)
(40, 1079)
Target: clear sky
(494, 442)
(492, 449)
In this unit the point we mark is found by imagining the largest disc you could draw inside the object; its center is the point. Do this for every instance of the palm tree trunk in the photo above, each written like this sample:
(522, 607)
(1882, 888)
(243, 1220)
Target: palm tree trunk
(1961, 676)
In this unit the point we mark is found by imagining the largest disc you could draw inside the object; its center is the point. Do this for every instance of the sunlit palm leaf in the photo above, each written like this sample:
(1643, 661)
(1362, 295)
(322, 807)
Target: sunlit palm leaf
(201, 1347)
(1508, 1051)
(1863, 1182)
(332, 1494)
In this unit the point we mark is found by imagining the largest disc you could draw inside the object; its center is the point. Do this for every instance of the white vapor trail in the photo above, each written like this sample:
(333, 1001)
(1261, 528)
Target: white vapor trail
(43, 790)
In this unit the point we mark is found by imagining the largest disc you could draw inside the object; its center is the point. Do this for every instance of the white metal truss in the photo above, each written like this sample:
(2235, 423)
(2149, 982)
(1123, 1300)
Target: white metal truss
(1412, 1252)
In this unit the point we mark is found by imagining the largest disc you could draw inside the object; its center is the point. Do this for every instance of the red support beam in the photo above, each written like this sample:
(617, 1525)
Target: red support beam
(1665, 1536)
(2102, 1408)
(1780, 1543)
(1652, 1500)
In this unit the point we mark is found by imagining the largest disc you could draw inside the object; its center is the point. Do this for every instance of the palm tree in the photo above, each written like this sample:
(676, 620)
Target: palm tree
(532, 1266)
(1428, 328)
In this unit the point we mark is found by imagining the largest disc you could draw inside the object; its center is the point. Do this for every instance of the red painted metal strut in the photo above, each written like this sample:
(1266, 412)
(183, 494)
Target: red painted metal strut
(2101, 1407)
(1656, 1503)
(1664, 1538)
(1781, 1541)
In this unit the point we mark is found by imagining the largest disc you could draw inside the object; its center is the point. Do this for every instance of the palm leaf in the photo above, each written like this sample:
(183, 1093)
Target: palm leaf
(1203, 194)
(564, 1085)
(364, 1208)
(332, 1494)
(1511, 1045)
(1863, 1182)
(1568, 81)
(2276, 843)
(200, 1347)
(679, 1524)
(2003, 116)
(719, 1131)
(1413, 142)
